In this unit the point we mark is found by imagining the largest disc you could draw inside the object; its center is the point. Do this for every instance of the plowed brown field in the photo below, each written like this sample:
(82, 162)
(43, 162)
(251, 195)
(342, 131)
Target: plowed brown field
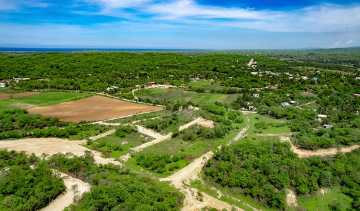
(4, 96)
(92, 109)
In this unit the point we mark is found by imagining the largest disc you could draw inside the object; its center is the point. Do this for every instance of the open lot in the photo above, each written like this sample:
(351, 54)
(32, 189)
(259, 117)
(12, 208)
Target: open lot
(92, 109)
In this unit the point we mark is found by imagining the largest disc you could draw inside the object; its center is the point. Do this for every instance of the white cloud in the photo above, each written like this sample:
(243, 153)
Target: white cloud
(321, 18)
(349, 42)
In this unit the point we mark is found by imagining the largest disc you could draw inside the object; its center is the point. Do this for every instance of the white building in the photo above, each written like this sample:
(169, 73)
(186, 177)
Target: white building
(327, 126)
(284, 104)
(2, 84)
(322, 116)
(255, 95)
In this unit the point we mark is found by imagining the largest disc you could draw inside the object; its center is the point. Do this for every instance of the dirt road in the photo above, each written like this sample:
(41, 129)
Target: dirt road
(51, 146)
(251, 62)
(67, 198)
(103, 135)
(302, 153)
(181, 180)
(200, 121)
(241, 134)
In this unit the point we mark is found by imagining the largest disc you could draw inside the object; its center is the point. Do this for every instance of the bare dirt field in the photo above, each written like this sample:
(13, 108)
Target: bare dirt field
(51, 146)
(92, 109)
(4, 96)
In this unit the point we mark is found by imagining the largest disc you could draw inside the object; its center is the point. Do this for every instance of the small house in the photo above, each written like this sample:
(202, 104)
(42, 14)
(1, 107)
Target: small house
(256, 95)
(138, 86)
(183, 85)
(304, 77)
(20, 79)
(254, 73)
(284, 104)
(151, 83)
(111, 88)
(357, 78)
(327, 126)
(321, 116)
(294, 102)
(355, 95)
(252, 108)
(2, 84)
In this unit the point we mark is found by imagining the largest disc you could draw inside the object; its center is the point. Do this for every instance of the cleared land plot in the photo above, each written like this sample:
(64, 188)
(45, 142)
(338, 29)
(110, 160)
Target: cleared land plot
(207, 85)
(178, 95)
(51, 146)
(41, 99)
(4, 96)
(92, 109)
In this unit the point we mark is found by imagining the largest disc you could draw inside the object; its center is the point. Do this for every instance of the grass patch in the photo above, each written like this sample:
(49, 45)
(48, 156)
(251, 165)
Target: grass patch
(42, 99)
(319, 200)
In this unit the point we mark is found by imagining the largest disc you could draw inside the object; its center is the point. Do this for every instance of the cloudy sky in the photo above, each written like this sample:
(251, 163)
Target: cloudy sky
(180, 24)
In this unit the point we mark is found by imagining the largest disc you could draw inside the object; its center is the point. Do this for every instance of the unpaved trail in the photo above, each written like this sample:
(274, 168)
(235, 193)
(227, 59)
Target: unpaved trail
(241, 134)
(51, 146)
(222, 98)
(148, 132)
(251, 62)
(181, 180)
(187, 125)
(133, 93)
(291, 198)
(103, 135)
(302, 153)
(200, 121)
(306, 104)
(67, 198)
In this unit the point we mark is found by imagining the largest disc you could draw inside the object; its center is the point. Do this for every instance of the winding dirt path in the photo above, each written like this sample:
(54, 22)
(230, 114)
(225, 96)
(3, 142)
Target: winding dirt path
(181, 180)
(103, 135)
(302, 153)
(241, 134)
(51, 146)
(67, 198)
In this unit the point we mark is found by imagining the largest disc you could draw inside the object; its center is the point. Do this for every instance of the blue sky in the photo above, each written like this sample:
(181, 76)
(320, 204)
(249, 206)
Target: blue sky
(180, 24)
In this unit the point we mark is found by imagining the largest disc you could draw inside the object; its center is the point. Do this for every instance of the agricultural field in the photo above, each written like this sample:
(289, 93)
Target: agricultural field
(92, 109)
(41, 99)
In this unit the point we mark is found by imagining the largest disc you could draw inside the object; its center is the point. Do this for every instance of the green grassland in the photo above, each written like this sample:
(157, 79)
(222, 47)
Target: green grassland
(8, 90)
(134, 139)
(207, 85)
(323, 201)
(179, 95)
(42, 99)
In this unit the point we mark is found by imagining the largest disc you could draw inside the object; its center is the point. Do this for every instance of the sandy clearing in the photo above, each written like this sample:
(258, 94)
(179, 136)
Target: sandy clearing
(103, 135)
(92, 109)
(302, 153)
(51, 146)
(206, 123)
(291, 198)
(67, 198)
(148, 132)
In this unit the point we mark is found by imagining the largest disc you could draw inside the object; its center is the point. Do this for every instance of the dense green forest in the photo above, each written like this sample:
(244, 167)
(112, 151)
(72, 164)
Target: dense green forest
(19, 123)
(25, 188)
(265, 169)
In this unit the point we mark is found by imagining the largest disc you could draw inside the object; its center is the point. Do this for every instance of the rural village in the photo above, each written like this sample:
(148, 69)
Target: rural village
(180, 131)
